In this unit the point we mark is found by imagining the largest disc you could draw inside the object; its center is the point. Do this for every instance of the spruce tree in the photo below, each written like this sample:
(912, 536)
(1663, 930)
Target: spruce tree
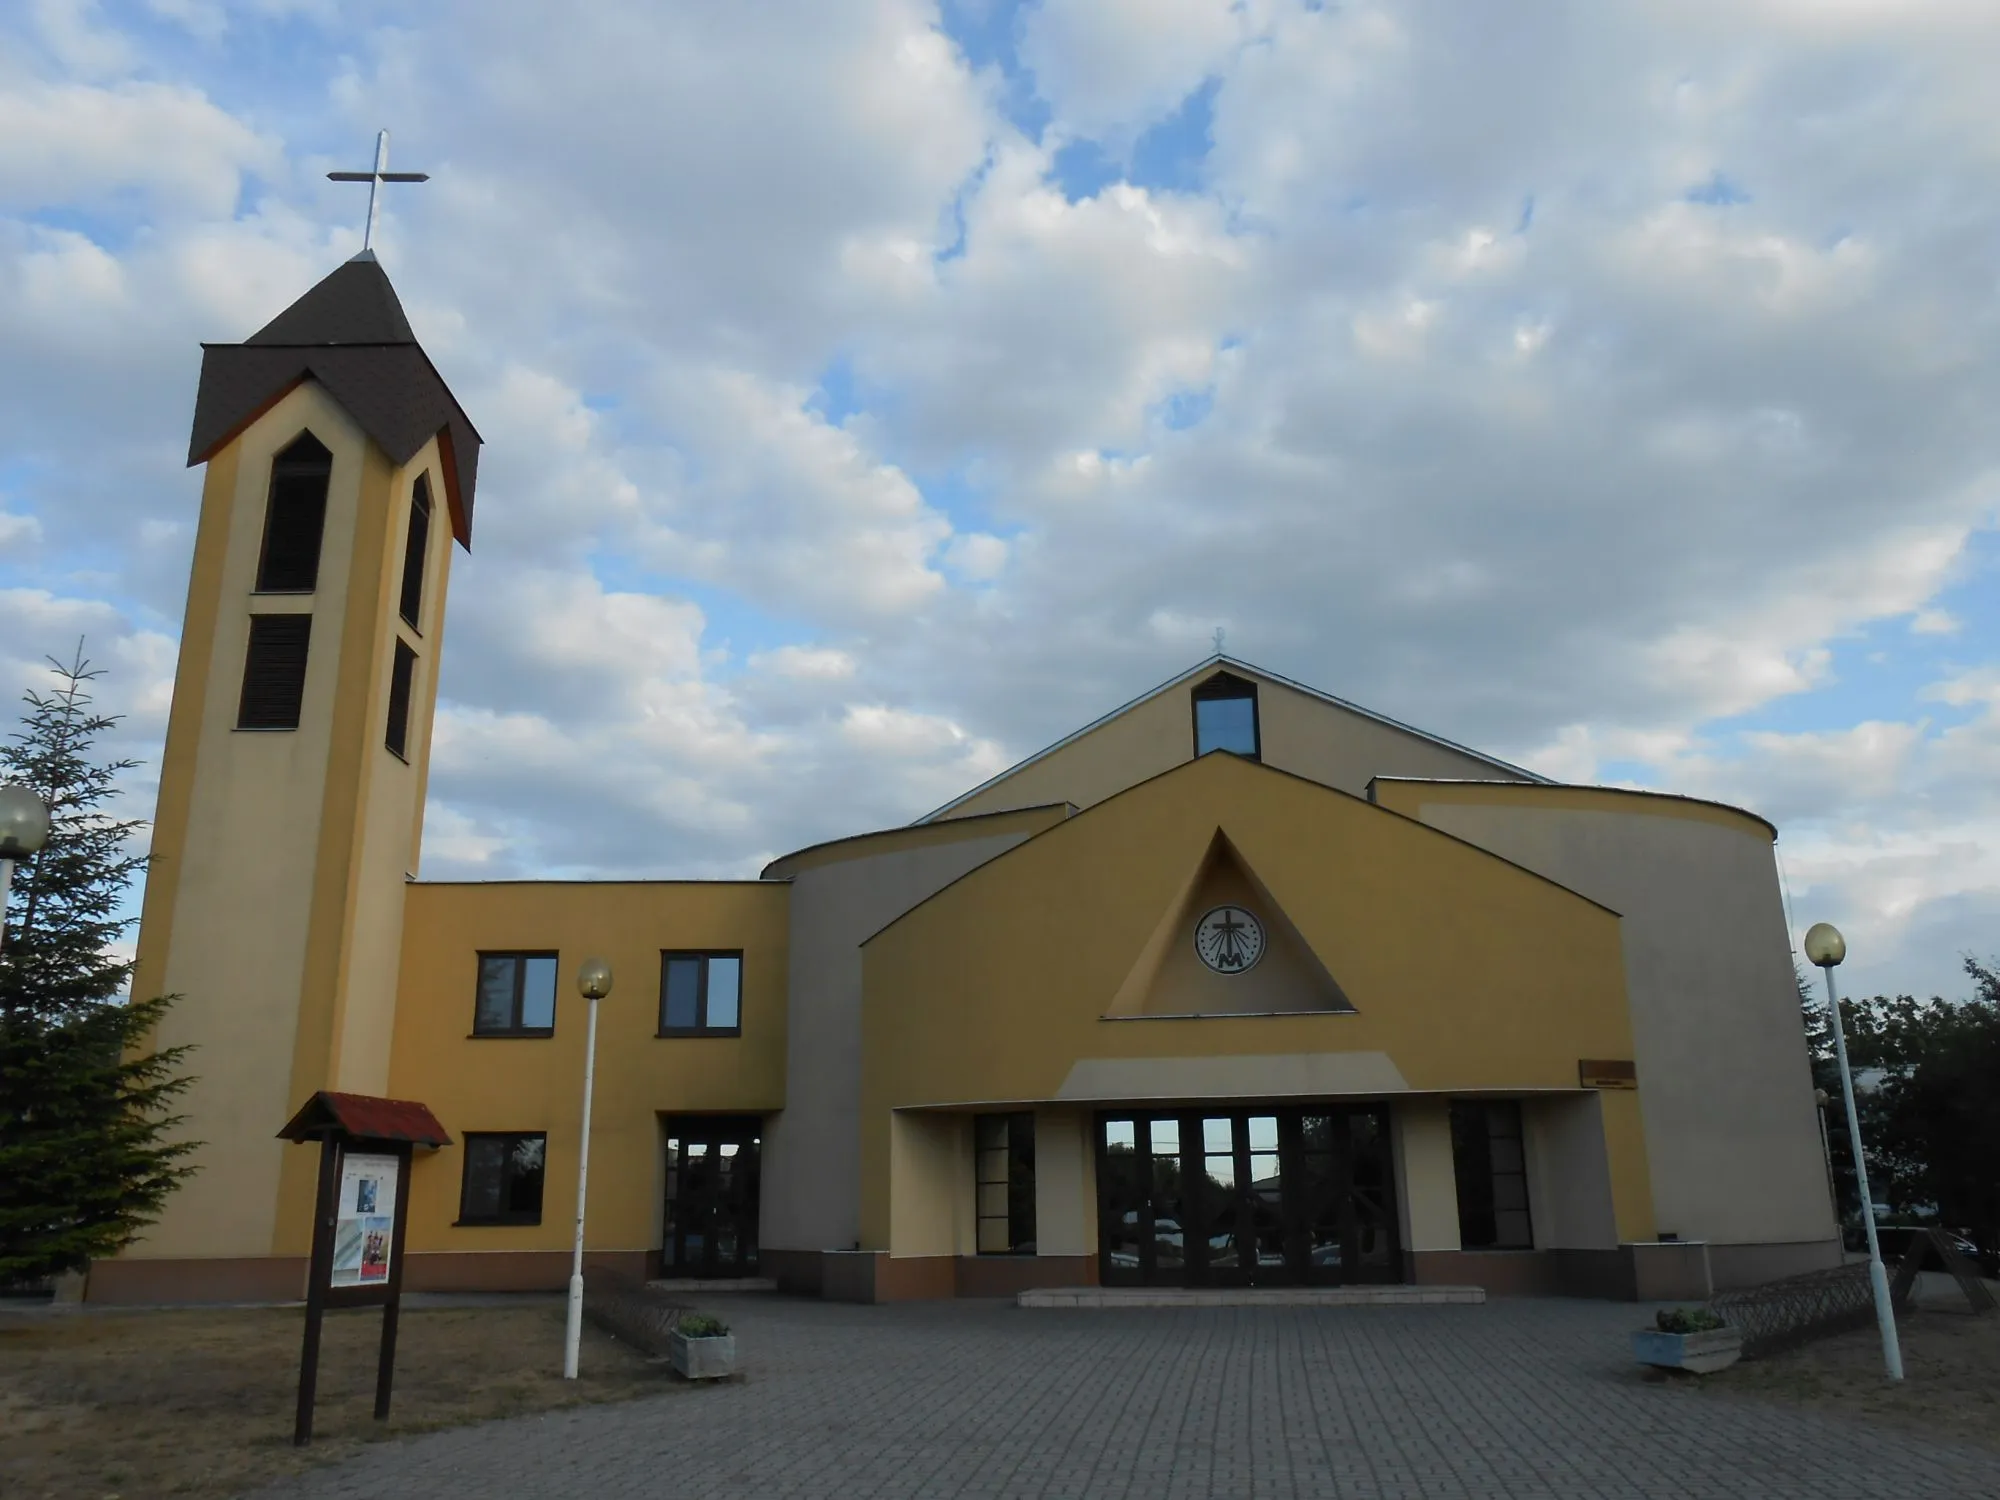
(84, 1099)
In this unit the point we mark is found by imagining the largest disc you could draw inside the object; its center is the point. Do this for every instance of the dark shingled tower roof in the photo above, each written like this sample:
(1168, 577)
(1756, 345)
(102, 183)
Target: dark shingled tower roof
(349, 334)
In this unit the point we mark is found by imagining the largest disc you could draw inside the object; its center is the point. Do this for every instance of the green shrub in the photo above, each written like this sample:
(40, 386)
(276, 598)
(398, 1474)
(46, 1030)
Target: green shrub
(701, 1326)
(1687, 1320)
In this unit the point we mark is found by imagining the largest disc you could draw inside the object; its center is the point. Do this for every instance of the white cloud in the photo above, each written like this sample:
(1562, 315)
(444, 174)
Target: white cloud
(814, 663)
(835, 457)
(1109, 68)
(75, 143)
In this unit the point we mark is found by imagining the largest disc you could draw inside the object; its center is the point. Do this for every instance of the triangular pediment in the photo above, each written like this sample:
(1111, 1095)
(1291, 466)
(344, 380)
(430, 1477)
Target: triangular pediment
(1225, 947)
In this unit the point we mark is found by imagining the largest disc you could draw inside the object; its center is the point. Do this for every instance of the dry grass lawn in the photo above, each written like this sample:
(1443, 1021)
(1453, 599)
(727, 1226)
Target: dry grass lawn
(200, 1402)
(1950, 1386)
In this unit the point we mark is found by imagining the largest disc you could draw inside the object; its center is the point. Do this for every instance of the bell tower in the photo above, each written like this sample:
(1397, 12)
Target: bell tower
(339, 470)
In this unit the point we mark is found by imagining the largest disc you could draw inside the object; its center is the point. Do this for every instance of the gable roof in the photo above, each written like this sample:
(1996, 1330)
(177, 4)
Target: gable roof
(1215, 763)
(1232, 664)
(365, 1117)
(350, 334)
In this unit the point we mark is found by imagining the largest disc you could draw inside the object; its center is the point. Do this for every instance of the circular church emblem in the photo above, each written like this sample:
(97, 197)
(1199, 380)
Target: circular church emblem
(1229, 940)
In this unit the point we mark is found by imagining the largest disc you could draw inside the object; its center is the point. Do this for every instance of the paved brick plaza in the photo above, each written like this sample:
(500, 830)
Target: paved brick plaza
(1517, 1398)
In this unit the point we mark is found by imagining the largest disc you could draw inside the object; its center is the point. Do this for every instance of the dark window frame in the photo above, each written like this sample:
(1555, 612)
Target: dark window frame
(402, 678)
(701, 1026)
(1477, 1180)
(295, 464)
(520, 955)
(504, 1216)
(1226, 686)
(260, 660)
(416, 555)
(1018, 1181)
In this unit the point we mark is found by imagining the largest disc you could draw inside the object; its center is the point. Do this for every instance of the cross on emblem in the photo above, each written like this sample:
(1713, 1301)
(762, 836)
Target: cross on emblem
(375, 179)
(1229, 940)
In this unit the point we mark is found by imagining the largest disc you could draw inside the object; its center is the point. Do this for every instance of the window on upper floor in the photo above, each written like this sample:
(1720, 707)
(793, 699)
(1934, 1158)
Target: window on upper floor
(416, 546)
(517, 995)
(503, 1177)
(274, 672)
(1225, 716)
(1004, 1182)
(701, 994)
(1491, 1165)
(402, 673)
(295, 518)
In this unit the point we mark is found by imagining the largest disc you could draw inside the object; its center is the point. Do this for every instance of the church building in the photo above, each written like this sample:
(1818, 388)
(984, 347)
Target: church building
(1240, 984)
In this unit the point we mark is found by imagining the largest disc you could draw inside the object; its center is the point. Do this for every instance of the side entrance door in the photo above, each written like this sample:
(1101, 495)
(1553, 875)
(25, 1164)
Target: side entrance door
(711, 1198)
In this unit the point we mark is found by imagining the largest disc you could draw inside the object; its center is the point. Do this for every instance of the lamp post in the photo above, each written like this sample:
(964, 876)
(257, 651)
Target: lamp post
(24, 828)
(1825, 948)
(593, 982)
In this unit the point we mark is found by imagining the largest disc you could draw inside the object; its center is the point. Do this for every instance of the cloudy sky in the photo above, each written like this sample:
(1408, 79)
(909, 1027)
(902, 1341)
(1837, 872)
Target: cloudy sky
(875, 391)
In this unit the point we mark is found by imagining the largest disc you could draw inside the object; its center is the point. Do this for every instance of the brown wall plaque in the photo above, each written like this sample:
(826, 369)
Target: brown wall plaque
(1606, 1073)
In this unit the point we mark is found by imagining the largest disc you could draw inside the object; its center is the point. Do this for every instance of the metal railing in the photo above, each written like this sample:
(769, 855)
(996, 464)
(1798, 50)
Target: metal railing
(1797, 1310)
(630, 1310)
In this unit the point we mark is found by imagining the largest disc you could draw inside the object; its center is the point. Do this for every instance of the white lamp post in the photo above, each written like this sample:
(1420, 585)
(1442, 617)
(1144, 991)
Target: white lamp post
(1825, 947)
(593, 982)
(24, 828)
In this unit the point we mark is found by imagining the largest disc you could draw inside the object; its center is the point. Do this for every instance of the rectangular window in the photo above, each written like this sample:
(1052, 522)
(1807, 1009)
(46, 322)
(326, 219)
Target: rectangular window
(517, 995)
(400, 675)
(1225, 716)
(503, 1178)
(701, 994)
(274, 672)
(1004, 1182)
(415, 546)
(1491, 1166)
(295, 518)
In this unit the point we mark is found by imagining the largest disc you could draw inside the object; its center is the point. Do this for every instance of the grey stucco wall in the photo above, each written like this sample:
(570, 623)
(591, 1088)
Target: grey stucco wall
(1725, 1087)
(811, 1168)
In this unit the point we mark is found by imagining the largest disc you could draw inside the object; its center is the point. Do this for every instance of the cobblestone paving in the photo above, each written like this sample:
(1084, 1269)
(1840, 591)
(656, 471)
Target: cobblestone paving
(1522, 1399)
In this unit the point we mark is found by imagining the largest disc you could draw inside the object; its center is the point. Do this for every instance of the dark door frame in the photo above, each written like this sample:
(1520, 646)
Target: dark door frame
(1353, 1163)
(738, 1200)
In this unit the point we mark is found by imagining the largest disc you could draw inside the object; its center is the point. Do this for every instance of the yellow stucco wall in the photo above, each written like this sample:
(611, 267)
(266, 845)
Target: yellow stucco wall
(1467, 973)
(1410, 797)
(279, 926)
(1300, 732)
(535, 1084)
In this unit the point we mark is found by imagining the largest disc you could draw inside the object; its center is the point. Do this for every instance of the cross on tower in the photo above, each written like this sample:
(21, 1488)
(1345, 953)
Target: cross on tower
(1218, 640)
(375, 179)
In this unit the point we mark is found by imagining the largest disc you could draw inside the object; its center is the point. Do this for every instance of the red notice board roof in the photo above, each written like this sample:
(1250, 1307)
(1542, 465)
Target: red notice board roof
(366, 1118)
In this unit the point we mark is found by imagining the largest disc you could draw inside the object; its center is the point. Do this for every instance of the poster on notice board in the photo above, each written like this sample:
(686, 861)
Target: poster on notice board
(365, 1220)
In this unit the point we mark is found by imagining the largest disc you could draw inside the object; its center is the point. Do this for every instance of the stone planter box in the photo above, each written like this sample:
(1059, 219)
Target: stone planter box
(702, 1359)
(1698, 1353)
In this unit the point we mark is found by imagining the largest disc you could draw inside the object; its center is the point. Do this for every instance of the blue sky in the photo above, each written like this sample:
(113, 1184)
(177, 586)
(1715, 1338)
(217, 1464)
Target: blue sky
(878, 392)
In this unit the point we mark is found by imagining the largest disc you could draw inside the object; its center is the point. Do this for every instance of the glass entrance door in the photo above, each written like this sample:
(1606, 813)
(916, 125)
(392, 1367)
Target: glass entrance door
(711, 1198)
(1246, 1197)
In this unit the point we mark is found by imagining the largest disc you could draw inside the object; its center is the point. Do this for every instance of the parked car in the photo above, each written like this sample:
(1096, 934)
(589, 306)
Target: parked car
(1896, 1239)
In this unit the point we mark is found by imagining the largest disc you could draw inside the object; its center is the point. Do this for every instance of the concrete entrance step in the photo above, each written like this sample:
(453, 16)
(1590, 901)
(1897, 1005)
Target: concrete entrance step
(1249, 1296)
(713, 1284)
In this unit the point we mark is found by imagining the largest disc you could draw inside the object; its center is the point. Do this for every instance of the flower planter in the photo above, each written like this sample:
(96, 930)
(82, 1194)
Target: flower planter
(1698, 1353)
(702, 1359)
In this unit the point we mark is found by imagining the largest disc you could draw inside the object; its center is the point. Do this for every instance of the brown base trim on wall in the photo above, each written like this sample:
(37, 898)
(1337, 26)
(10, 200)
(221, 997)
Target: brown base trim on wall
(510, 1270)
(1504, 1273)
(799, 1273)
(278, 1278)
(249, 1278)
(1526, 1273)
(1006, 1275)
(872, 1276)
(916, 1278)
